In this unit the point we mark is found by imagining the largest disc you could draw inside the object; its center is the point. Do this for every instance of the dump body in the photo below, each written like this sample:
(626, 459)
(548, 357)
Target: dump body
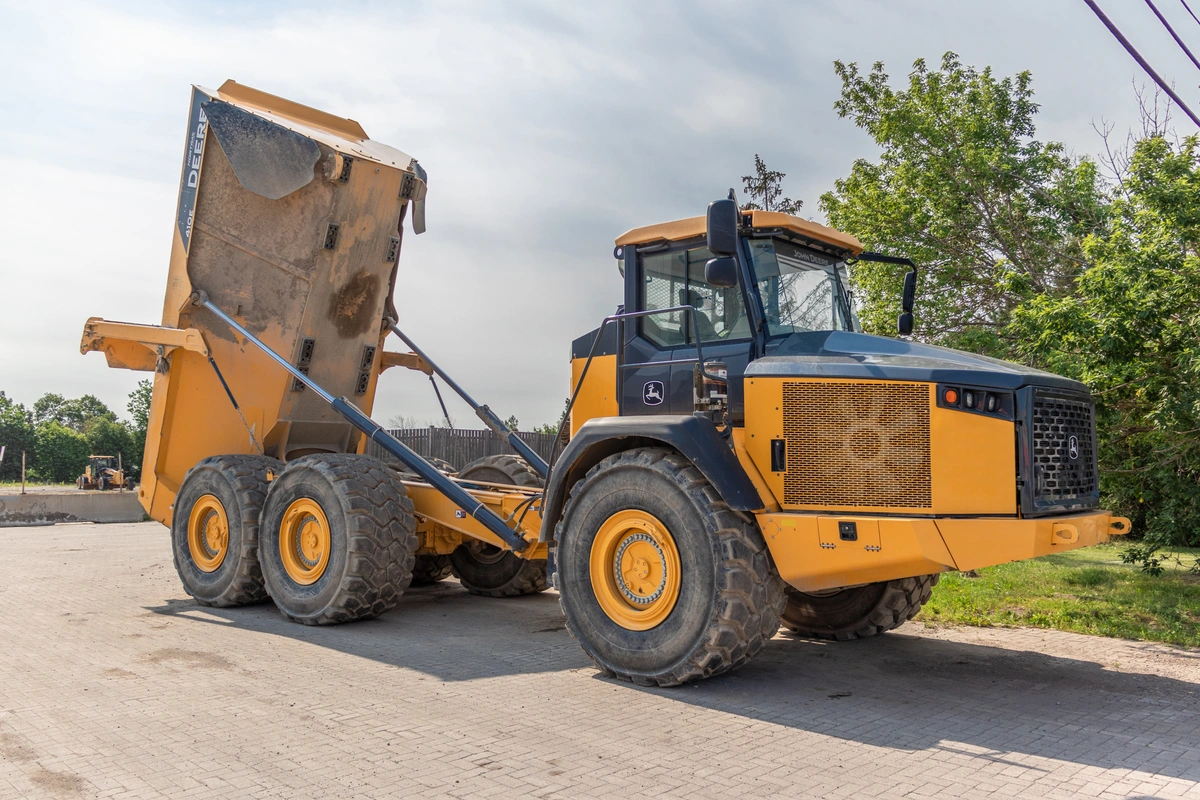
(290, 219)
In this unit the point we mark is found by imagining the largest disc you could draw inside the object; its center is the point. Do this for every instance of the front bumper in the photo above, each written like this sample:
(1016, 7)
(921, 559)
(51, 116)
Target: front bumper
(813, 552)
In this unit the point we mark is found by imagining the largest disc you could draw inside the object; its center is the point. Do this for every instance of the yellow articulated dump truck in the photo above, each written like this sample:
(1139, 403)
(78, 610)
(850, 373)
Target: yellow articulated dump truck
(737, 452)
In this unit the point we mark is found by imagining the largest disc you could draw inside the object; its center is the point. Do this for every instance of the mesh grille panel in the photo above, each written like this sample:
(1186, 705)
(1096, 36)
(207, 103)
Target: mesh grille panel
(857, 444)
(1064, 453)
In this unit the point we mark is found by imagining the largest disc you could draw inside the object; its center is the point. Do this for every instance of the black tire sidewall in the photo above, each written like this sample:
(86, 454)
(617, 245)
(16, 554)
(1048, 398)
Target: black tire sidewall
(829, 615)
(658, 650)
(302, 480)
(488, 576)
(207, 587)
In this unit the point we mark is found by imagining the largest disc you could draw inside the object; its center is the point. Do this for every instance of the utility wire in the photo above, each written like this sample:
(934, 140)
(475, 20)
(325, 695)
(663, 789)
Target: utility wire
(1120, 37)
(1171, 31)
(1189, 10)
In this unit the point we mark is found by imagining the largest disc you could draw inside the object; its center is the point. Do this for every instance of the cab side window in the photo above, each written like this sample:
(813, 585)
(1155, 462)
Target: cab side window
(676, 278)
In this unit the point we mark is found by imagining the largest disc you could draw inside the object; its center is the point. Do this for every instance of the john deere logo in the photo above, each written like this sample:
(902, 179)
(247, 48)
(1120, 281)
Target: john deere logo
(1073, 448)
(652, 393)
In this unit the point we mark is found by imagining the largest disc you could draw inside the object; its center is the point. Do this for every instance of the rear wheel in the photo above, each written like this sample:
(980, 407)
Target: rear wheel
(214, 529)
(488, 570)
(430, 569)
(858, 611)
(338, 539)
(660, 582)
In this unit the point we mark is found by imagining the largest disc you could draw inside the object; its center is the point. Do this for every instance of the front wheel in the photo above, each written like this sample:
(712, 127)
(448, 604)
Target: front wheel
(858, 611)
(485, 569)
(659, 581)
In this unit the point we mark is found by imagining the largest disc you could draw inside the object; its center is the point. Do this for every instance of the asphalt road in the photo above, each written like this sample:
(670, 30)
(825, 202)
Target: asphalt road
(114, 684)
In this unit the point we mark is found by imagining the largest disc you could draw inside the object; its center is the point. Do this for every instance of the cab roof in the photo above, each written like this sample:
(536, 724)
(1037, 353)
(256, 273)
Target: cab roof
(696, 226)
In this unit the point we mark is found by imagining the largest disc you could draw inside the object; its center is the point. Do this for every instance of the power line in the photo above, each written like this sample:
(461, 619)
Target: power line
(1120, 37)
(1171, 31)
(1189, 10)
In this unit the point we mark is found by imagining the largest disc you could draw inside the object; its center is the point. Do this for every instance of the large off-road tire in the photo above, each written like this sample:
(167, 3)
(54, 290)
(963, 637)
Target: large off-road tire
(858, 611)
(338, 539)
(214, 529)
(430, 569)
(504, 469)
(659, 581)
(485, 569)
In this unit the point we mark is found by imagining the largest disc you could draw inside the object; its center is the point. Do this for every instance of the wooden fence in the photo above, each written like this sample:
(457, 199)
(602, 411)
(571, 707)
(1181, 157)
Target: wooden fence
(460, 447)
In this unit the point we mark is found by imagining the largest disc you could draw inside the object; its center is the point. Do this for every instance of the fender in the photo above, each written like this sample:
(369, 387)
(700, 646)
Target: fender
(695, 438)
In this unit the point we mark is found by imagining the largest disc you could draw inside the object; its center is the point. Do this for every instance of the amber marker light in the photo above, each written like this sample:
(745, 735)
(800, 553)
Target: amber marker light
(950, 396)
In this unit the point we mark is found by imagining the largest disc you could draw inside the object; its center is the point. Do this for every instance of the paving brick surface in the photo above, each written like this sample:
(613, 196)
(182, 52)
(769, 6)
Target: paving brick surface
(114, 684)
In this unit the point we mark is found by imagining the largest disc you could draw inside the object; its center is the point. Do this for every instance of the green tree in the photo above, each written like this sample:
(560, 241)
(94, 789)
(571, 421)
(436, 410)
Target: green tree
(992, 216)
(82, 410)
(48, 408)
(62, 453)
(108, 438)
(1130, 329)
(765, 188)
(74, 413)
(16, 435)
(139, 413)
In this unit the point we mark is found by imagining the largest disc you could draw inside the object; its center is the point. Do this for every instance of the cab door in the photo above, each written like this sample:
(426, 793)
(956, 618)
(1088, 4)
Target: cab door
(672, 277)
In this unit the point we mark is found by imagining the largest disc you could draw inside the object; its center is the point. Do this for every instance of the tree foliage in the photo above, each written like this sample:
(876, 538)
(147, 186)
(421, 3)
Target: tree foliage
(993, 216)
(16, 435)
(61, 453)
(765, 188)
(139, 414)
(1131, 331)
(58, 434)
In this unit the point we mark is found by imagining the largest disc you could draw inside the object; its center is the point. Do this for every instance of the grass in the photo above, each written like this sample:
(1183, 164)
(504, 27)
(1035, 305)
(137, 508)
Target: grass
(1087, 591)
(10, 484)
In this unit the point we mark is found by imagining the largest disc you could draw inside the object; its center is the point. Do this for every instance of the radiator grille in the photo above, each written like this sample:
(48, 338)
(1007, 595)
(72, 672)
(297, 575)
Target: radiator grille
(1063, 451)
(857, 444)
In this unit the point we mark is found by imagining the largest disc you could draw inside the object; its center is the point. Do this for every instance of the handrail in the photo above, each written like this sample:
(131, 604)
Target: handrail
(621, 367)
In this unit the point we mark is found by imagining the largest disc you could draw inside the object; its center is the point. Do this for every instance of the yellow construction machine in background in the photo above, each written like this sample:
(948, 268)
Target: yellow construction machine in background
(102, 473)
(738, 452)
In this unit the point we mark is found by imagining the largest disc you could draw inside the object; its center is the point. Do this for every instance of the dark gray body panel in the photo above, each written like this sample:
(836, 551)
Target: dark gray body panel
(695, 438)
(841, 354)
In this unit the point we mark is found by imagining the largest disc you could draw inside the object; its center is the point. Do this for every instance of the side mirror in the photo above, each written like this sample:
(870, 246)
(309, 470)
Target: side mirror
(905, 323)
(722, 227)
(721, 273)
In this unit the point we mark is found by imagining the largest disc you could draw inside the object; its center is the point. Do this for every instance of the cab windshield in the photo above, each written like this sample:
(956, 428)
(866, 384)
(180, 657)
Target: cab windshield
(801, 289)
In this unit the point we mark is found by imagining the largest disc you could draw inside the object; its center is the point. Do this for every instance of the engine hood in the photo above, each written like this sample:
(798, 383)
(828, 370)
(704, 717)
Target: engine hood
(841, 354)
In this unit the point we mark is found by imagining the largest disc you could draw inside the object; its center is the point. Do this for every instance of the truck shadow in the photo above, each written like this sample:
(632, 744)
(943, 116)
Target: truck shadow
(898, 691)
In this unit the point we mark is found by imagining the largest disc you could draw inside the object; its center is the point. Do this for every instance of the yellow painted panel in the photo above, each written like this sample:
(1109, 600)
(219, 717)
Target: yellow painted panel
(974, 461)
(811, 557)
(979, 543)
(972, 457)
(691, 227)
(598, 395)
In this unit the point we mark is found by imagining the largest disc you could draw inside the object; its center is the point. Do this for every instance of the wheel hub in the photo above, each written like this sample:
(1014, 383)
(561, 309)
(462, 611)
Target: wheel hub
(304, 541)
(208, 533)
(635, 570)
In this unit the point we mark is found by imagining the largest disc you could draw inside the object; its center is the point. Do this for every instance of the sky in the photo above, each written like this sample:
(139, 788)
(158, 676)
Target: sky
(547, 130)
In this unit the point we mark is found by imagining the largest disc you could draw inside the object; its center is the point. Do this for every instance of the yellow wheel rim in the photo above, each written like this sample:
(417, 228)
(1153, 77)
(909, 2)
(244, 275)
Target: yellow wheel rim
(635, 570)
(304, 541)
(208, 533)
